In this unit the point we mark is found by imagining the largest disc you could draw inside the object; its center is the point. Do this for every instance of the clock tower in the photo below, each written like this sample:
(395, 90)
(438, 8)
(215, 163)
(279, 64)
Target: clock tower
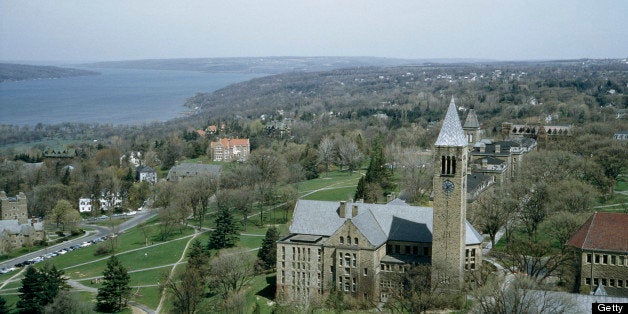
(450, 203)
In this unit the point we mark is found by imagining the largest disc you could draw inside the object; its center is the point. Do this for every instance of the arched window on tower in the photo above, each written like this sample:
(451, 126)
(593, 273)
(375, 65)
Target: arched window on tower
(442, 165)
(453, 165)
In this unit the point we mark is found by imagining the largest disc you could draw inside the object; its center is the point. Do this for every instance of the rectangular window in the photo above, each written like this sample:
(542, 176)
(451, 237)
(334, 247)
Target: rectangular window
(589, 257)
(473, 252)
(597, 258)
(347, 271)
(466, 253)
(366, 271)
(389, 249)
(596, 281)
(415, 250)
(621, 260)
(604, 281)
(587, 281)
(407, 250)
(426, 251)
(611, 282)
(397, 249)
(604, 259)
(355, 261)
(340, 259)
(613, 259)
(620, 283)
(353, 284)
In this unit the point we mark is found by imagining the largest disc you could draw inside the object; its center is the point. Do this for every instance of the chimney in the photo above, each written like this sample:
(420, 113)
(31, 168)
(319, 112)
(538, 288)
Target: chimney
(354, 210)
(390, 197)
(342, 210)
(498, 148)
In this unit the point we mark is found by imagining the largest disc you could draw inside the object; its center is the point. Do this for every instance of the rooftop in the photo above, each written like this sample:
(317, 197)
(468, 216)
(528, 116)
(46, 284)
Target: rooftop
(451, 133)
(603, 232)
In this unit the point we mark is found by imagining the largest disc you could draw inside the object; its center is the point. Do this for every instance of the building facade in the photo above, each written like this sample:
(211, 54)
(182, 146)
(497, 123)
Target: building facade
(16, 230)
(359, 249)
(237, 149)
(601, 253)
(13, 208)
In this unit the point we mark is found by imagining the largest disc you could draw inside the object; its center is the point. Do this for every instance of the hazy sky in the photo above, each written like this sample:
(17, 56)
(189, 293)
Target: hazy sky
(97, 30)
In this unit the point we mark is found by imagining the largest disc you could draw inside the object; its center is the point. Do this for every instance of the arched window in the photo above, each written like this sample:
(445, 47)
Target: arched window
(355, 241)
(342, 240)
(348, 240)
(442, 165)
(453, 165)
(448, 165)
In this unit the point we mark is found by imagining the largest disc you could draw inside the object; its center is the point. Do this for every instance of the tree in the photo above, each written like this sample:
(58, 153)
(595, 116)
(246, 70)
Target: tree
(188, 288)
(4, 309)
(534, 258)
(309, 162)
(490, 214)
(113, 294)
(225, 235)
(561, 226)
(31, 292)
(517, 295)
(65, 215)
(230, 271)
(326, 152)
(39, 288)
(348, 154)
(267, 254)
(65, 302)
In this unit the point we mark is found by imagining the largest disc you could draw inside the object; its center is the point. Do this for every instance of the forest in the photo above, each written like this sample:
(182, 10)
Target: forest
(23, 72)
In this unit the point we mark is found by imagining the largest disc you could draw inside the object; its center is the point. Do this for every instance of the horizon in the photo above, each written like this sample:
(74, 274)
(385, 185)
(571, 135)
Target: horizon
(99, 31)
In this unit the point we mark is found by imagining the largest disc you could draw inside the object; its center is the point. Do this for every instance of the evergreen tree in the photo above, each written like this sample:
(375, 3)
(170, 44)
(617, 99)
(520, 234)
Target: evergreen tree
(31, 292)
(226, 233)
(39, 288)
(267, 255)
(378, 174)
(361, 189)
(4, 309)
(309, 163)
(115, 288)
(198, 257)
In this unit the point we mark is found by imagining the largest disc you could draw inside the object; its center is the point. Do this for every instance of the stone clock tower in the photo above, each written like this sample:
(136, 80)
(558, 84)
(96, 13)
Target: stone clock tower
(450, 205)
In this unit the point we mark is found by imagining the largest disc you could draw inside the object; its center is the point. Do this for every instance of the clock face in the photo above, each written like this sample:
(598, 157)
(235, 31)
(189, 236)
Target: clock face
(448, 186)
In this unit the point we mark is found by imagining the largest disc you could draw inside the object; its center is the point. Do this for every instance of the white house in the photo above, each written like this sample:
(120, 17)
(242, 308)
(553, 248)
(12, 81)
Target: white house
(85, 204)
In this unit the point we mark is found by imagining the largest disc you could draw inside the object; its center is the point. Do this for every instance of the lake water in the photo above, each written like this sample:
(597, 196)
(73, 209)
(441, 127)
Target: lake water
(117, 96)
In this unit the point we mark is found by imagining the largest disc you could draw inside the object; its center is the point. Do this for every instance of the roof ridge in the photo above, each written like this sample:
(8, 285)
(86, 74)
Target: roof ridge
(586, 237)
(377, 222)
(451, 132)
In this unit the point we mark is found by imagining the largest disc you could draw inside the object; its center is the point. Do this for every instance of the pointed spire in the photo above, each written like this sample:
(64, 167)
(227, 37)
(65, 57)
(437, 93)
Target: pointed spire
(451, 133)
(472, 120)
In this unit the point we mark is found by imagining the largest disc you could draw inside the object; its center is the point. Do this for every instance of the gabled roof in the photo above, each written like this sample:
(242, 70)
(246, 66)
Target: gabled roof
(476, 180)
(227, 143)
(145, 169)
(472, 121)
(603, 232)
(451, 133)
(377, 222)
(490, 160)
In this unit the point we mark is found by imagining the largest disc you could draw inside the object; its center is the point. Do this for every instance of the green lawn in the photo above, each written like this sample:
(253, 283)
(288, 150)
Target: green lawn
(331, 179)
(621, 184)
(340, 194)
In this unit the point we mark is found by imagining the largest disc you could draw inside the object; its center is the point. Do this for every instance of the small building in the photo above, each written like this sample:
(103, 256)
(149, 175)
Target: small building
(16, 230)
(601, 253)
(85, 205)
(621, 136)
(237, 149)
(185, 170)
(146, 174)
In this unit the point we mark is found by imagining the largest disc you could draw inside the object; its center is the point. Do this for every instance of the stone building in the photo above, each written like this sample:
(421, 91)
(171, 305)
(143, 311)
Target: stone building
(13, 208)
(601, 253)
(16, 230)
(236, 149)
(357, 248)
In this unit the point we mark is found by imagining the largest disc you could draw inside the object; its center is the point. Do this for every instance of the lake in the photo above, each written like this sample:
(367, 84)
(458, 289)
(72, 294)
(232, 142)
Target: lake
(117, 96)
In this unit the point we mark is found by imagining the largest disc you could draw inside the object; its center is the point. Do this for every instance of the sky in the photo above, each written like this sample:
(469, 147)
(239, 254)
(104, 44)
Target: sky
(106, 30)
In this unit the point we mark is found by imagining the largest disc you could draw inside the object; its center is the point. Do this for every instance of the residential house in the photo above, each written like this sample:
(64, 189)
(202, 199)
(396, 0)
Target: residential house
(146, 174)
(85, 204)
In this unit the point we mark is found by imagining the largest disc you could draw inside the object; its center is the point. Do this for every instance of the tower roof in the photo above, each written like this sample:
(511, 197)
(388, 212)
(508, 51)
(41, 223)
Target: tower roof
(451, 133)
(472, 120)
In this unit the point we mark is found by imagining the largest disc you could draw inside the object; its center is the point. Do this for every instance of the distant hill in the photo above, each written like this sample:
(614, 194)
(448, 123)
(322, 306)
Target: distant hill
(23, 72)
(266, 65)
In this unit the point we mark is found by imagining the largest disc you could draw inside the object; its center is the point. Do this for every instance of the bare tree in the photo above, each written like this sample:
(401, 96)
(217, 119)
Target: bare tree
(348, 154)
(230, 271)
(326, 152)
(490, 214)
(519, 294)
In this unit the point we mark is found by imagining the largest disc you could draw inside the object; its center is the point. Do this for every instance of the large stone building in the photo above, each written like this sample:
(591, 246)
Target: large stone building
(601, 253)
(357, 248)
(236, 149)
(16, 230)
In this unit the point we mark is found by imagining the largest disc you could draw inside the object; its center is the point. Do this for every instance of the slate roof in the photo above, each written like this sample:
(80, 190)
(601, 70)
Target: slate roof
(475, 180)
(145, 169)
(451, 133)
(603, 232)
(377, 222)
(472, 120)
(189, 169)
(490, 160)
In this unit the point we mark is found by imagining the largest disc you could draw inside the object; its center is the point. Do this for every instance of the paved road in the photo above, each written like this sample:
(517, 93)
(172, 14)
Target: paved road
(98, 232)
